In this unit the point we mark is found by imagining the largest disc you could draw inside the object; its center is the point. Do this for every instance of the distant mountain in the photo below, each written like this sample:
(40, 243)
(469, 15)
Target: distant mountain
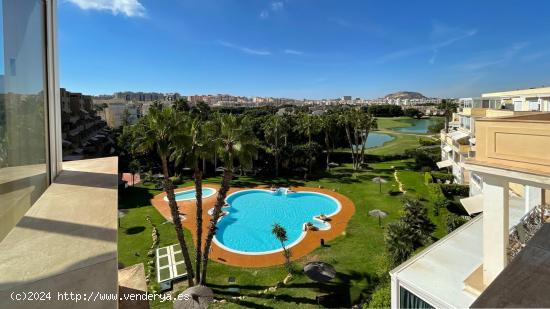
(405, 95)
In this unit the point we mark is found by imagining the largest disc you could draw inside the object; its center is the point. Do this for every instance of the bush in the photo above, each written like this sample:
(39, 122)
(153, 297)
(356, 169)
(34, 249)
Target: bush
(442, 177)
(440, 201)
(176, 180)
(453, 222)
(455, 190)
(428, 142)
(381, 297)
(428, 179)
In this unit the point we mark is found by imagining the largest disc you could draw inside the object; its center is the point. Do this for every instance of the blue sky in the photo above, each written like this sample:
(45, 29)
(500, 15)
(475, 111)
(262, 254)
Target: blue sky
(303, 48)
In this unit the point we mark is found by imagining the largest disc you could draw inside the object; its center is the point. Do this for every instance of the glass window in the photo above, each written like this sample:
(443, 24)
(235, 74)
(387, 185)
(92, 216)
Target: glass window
(23, 150)
(411, 301)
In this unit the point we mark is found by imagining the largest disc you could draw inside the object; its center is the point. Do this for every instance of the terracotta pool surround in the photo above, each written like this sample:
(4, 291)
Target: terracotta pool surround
(311, 241)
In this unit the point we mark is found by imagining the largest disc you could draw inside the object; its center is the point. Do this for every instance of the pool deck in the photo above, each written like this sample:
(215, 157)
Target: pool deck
(311, 241)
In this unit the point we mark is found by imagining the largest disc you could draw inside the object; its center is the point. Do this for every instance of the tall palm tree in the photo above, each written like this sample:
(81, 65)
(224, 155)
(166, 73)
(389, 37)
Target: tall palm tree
(280, 233)
(327, 122)
(309, 125)
(158, 131)
(235, 142)
(399, 243)
(275, 129)
(366, 122)
(193, 149)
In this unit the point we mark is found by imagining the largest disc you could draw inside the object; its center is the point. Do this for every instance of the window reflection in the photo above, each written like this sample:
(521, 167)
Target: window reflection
(23, 167)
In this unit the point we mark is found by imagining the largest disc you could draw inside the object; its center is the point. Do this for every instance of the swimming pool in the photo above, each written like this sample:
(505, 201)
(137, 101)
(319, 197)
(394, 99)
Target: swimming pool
(189, 195)
(246, 227)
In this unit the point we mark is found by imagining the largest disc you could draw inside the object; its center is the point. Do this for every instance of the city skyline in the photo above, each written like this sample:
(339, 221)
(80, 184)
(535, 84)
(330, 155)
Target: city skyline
(288, 49)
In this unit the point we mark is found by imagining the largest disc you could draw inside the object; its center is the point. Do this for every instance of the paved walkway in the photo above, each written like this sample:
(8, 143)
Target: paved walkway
(309, 243)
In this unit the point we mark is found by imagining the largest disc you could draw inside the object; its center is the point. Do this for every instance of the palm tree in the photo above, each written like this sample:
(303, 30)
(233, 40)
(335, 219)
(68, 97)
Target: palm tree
(399, 243)
(134, 168)
(366, 122)
(327, 122)
(357, 125)
(235, 142)
(280, 233)
(309, 125)
(158, 131)
(274, 130)
(197, 147)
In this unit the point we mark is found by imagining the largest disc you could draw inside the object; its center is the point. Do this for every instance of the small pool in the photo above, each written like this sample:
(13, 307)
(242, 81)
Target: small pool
(189, 195)
(246, 227)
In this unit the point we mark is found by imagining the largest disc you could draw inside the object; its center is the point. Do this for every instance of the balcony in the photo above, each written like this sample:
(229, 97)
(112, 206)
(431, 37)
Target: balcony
(67, 241)
(517, 143)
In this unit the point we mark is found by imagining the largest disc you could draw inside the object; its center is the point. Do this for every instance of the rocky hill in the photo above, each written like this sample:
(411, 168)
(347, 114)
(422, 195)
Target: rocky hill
(405, 95)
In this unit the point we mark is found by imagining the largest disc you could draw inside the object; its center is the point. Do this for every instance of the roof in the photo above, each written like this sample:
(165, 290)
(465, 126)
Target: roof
(447, 148)
(458, 135)
(437, 274)
(445, 163)
(526, 281)
(473, 204)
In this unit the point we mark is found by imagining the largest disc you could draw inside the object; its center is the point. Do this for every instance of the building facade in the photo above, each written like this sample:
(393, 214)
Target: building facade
(489, 261)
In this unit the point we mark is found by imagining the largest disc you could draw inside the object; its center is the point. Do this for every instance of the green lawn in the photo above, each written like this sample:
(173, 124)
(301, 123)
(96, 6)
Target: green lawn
(358, 255)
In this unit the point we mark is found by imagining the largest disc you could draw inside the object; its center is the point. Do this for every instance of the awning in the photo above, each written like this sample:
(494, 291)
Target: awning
(447, 148)
(459, 135)
(473, 140)
(473, 204)
(445, 163)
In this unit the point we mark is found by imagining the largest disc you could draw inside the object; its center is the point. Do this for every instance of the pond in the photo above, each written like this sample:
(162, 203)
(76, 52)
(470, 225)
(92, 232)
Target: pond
(419, 126)
(377, 139)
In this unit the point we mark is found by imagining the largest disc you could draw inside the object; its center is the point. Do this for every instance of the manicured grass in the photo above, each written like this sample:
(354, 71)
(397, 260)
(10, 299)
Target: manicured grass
(385, 123)
(358, 255)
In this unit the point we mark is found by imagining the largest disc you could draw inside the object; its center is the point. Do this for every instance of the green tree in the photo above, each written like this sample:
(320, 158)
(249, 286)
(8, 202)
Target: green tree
(328, 122)
(415, 216)
(413, 113)
(309, 125)
(449, 107)
(381, 297)
(453, 222)
(357, 125)
(158, 131)
(181, 105)
(235, 142)
(399, 243)
(275, 132)
(280, 233)
(134, 167)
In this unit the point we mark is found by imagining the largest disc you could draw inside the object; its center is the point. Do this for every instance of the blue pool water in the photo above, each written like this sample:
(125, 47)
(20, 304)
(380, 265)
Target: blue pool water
(188, 195)
(247, 226)
(418, 126)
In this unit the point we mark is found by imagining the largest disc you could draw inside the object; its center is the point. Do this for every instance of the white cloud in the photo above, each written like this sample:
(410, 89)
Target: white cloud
(293, 52)
(492, 58)
(442, 36)
(277, 5)
(130, 8)
(251, 51)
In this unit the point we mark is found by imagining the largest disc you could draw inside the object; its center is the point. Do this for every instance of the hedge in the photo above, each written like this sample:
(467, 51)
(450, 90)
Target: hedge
(439, 199)
(442, 177)
(455, 190)
(428, 179)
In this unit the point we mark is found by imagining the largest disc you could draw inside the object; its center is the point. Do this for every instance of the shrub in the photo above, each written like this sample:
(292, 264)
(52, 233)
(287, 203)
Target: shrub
(455, 190)
(428, 142)
(428, 179)
(453, 222)
(176, 180)
(440, 201)
(442, 177)
(381, 297)
(399, 239)
(415, 216)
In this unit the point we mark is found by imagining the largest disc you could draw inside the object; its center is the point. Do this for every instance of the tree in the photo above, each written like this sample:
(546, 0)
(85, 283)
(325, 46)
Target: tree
(328, 121)
(275, 130)
(413, 113)
(453, 222)
(181, 105)
(449, 107)
(193, 149)
(280, 233)
(357, 125)
(234, 142)
(158, 131)
(134, 168)
(381, 297)
(399, 243)
(415, 216)
(308, 125)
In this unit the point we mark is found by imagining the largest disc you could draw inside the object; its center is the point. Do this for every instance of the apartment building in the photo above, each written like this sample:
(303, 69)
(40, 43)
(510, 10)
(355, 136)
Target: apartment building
(58, 220)
(500, 258)
(458, 143)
